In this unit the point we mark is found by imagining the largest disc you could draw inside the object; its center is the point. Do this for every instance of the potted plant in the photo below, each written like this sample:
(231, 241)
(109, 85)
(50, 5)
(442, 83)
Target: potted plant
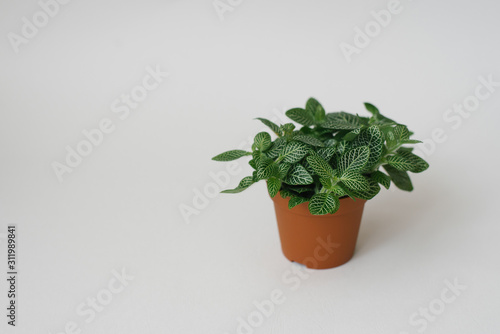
(321, 175)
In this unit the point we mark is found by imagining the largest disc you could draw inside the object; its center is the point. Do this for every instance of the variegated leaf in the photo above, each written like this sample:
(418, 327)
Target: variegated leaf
(309, 140)
(354, 160)
(287, 128)
(341, 121)
(314, 108)
(320, 166)
(302, 189)
(323, 203)
(407, 161)
(371, 137)
(301, 116)
(276, 148)
(244, 184)
(399, 162)
(266, 170)
(253, 164)
(231, 155)
(419, 164)
(327, 153)
(296, 200)
(284, 193)
(331, 142)
(355, 181)
(377, 116)
(373, 190)
(275, 128)
(346, 191)
(400, 178)
(262, 141)
(283, 169)
(401, 132)
(343, 146)
(411, 141)
(308, 167)
(351, 135)
(294, 151)
(381, 178)
(298, 176)
(273, 186)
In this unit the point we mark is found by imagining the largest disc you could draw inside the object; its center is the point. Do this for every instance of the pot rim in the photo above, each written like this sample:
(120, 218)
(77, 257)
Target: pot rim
(302, 209)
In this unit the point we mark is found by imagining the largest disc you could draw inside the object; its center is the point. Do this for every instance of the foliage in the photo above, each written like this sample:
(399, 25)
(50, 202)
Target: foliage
(332, 155)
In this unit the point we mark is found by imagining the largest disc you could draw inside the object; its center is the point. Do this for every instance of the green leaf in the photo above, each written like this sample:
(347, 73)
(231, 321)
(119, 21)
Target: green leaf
(274, 127)
(305, 130)
(321, 204)
(351, 135)
(273, 186)
(308, 167)
(373, 190)
(293, 152)
(267, 169)
(337, 190)
(276, 148)
(309, 140)
(355, 181)
(390, 137)
(296, 200)
(400, 178)
(371, 108)
(320, 166)
(381, 178)
(377, 116)
(419, 164)
(411, 141)
(261, 159)
(301, 116)
(342, 147)
(298, 176)
(344, 191)
(262, 140)
(407, 149)
(331, 142)
(354, 160)
(399, 162)
(301, 189)
(407, 161)
(341, 121)
(328, 183)
(283, 169)
(287, 128)
(286, 193)
(244, 183)
(231, 155)
(396, 135)
(253, 164)
(401, 132)
(371, 137)
(314, 108)
(364, 120)
(327, 153)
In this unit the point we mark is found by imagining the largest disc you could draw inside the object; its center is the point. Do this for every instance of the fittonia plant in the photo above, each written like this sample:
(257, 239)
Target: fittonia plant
(332, 155)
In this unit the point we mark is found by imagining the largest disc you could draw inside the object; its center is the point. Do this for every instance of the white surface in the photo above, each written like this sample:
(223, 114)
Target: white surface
(120, 207)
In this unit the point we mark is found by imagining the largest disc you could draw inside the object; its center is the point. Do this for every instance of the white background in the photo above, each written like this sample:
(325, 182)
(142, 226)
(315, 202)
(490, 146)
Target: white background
(120, 208)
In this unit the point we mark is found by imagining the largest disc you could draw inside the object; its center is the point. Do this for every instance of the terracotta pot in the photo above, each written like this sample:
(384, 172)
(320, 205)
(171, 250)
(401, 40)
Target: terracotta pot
(319, 242)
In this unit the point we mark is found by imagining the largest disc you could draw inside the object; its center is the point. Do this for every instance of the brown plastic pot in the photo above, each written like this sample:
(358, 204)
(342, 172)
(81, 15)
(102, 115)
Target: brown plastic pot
(319, 242)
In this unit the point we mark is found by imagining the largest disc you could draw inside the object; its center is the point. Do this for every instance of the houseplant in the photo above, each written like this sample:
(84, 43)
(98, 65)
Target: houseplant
(324, 173)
